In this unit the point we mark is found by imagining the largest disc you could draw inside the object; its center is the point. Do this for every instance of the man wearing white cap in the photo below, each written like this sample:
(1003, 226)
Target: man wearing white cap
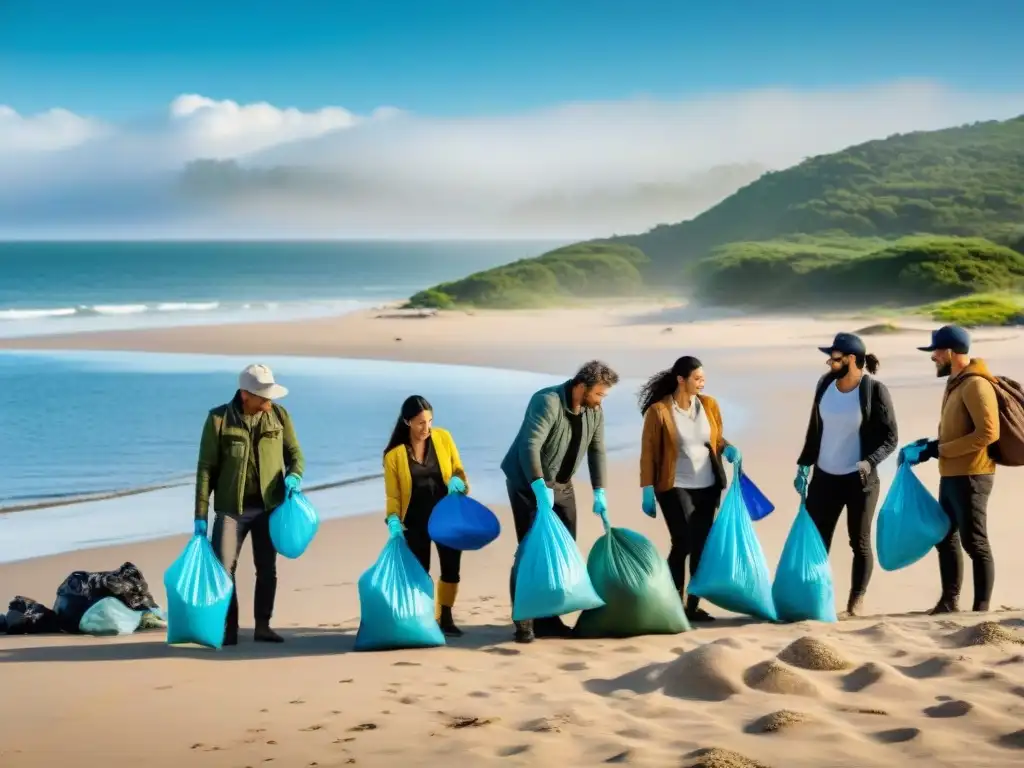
(249, 457)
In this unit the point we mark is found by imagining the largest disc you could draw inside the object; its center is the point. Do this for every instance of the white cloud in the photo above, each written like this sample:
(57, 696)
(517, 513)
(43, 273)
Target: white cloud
(391, 171)
(48, 131)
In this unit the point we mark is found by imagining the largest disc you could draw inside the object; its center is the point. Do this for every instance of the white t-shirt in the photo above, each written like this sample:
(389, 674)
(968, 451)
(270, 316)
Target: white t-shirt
(840, 434)
(693, 433)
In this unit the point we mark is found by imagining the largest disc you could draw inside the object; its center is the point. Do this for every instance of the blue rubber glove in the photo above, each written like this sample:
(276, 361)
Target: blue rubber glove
(919, 452)
(800, 483)
(732, 454)
(544, 495)
(600, 502)
(200, 528)
(394, 525)
(649, 504)
(455, 485)
(292, 483)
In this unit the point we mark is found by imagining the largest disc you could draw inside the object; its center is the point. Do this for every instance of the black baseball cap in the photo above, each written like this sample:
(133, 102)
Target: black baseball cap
(846, 344)
(951, 337)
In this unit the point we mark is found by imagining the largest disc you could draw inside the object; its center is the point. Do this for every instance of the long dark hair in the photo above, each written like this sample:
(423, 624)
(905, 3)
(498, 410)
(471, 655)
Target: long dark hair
(663, 383)
(413, 406)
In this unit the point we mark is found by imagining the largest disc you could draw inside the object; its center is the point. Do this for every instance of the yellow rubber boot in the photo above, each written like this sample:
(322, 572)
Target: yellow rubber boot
(445, 600)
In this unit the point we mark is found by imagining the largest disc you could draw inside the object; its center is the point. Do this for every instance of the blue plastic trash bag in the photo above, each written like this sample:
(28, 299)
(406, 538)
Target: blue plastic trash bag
(110, 616)
(550, 576)
(198, 595)
(803, 579)
(462, 523)
(910, 523)
(633, 579)
(733, 573)
(293, 525)
(757, 503)
(396, 600)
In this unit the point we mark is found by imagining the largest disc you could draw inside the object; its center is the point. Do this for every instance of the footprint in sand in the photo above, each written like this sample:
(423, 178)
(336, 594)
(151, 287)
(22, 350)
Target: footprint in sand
(574, 666)
(406, 664)
(363, 727)
(518, 749)
(498, 651)
(1013, 740)
(479, 694)
(949, 709)
(897, 735)
(310, 728)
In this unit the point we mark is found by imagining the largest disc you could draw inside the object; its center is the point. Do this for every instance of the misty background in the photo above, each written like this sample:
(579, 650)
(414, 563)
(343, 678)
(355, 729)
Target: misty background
(208, 168)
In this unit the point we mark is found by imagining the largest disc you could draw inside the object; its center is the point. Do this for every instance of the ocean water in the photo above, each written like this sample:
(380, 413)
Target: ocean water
(101, 422)
(63, 287)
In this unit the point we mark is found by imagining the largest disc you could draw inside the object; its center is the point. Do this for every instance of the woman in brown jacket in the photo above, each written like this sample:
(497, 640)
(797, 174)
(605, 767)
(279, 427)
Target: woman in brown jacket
(681, 465)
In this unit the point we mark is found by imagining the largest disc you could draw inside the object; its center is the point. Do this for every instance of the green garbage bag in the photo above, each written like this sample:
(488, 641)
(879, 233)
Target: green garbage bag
(633, 579)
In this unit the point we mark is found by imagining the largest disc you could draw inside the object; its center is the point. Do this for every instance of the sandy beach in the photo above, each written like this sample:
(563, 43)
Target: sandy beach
(888, 689)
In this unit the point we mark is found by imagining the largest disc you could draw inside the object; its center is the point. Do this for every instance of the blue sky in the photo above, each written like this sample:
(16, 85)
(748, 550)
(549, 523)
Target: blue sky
(116, 60)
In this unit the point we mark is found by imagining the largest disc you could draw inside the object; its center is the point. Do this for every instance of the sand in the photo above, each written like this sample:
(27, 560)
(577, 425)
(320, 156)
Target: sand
(891, 688)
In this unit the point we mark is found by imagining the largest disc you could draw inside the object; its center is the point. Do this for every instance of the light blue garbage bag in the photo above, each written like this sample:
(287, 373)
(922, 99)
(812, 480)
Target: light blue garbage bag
(110, 616)
(910, 523)
(550, 574)
(733, 573)
(396, 600)
(803, 587)
(293, 525)
(199, 592)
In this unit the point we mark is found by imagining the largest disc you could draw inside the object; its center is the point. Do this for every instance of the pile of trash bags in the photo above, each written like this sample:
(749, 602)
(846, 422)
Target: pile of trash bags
(633, 579)
(89, 602)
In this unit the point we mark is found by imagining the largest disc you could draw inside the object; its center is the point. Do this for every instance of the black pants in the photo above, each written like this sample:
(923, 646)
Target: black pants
(965, 500)
(229, 533)
(689, 514)
(827, 496)
(524, 510)
(418, 539)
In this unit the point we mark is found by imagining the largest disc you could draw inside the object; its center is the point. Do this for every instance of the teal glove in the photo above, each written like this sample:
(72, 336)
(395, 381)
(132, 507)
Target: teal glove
(800, 483)
(200, 528)
(919, 452)
(455, 485)
(292, 483)
(600, 502)
(649, 504)
(394, 526)
(732, 454)
(544, 495)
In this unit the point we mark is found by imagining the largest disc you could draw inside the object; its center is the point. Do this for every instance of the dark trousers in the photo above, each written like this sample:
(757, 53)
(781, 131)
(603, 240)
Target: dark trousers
(827, 496)
(524, 510)
(229, 533)
(418, 539)
(689, 514)
(965, 500)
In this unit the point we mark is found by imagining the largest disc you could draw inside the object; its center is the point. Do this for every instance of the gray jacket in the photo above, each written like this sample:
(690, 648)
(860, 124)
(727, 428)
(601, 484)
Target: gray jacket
(543, 439)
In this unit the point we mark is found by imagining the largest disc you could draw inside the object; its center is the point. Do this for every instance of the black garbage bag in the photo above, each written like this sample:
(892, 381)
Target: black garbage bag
(27, 617)
(82, 589)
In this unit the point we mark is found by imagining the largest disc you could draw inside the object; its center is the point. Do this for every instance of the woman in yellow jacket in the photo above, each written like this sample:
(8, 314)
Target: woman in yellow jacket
(421, 466)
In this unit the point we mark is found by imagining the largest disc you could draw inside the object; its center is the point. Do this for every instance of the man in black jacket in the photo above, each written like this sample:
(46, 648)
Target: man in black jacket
(851, 431)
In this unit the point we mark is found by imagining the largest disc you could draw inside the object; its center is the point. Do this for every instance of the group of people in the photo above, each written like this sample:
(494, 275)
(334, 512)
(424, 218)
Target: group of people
(250, 455)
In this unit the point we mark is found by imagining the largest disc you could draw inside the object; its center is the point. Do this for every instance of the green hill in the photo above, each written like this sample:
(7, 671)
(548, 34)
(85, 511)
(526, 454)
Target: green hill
(913, 218)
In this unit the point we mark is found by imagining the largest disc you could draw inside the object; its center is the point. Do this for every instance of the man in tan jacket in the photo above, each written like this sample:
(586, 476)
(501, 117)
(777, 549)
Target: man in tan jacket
(969, 424)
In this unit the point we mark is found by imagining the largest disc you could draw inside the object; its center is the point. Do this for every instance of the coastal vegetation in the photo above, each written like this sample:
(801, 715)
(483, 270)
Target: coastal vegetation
(909, 220)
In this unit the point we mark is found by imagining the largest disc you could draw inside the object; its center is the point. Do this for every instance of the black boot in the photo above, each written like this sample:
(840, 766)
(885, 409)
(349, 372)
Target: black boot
(551, 626)
(264, 634)
(447, 623)
(694, 613)
(524, 631)
(946, 604)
